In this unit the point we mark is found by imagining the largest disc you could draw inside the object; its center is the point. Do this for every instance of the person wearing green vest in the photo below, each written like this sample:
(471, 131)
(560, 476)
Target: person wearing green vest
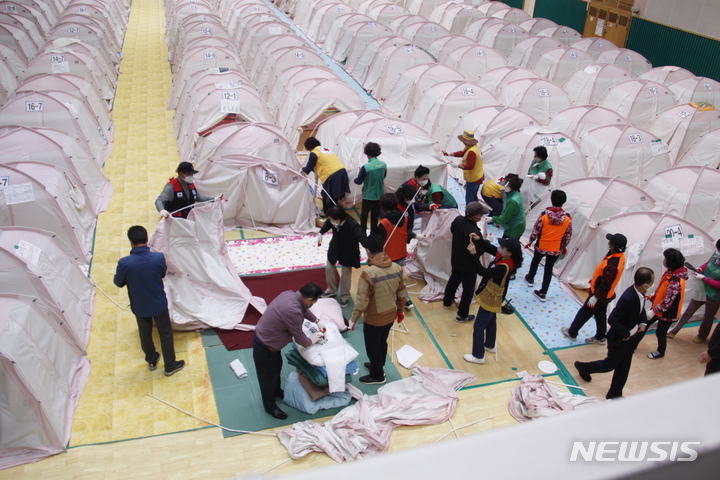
(709, 275)
(441, 198)
(539, 176)
(329, 169)
(471, 165)
(512, 218)
(372, 177)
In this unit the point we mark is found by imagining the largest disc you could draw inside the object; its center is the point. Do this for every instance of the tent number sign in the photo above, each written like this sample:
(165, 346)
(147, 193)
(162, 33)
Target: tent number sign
(230, 102)
(83, 10)
(34, 106)
(4, 181)
(271, 178)
(394, 129)
(544, 92)
(210, 55)
(635, 137)
(10, 9)
(468, 91)
(674, 231)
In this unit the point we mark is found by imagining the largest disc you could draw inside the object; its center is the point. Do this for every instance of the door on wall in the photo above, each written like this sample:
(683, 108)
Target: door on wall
(609, 19)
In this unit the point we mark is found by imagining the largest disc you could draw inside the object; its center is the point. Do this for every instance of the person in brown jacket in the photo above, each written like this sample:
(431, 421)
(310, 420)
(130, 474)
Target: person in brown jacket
(380, 299)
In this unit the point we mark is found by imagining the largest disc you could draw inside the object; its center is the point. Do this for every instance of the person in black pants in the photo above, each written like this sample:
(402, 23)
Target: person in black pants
(464, 230)
(711, 356)
(628, 323)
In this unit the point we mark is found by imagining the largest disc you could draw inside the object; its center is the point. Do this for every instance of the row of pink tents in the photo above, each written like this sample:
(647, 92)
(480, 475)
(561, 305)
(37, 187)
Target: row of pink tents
(55, 134)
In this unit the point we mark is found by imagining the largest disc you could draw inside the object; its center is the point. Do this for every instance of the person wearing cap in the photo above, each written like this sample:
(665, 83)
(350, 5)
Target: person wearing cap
(464, 229)
(552, 231)
(471, 165)
(512, 217)
(539, 175)
(372, 177)
(180, 193)
(491, 294)
(602, 291)
(329, 170)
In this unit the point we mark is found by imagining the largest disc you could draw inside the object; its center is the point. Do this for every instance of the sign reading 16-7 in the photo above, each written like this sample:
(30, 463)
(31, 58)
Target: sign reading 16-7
(34, 106)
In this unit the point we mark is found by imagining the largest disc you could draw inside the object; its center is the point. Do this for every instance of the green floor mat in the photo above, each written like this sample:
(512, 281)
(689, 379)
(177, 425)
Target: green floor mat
(210, 338)
(238, 399)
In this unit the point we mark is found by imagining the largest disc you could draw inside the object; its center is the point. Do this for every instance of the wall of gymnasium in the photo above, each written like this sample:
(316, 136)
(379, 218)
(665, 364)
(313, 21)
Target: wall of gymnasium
(661, 44)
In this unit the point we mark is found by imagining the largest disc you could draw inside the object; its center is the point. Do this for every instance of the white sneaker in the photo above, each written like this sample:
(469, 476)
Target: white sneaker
(491, 350)
(469, 358)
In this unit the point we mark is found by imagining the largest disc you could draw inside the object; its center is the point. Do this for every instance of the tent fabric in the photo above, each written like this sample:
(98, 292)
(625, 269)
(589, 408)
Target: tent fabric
(345, 25)
(630, 60)
(591, 201)
(502, 37)
(389, 64)
(638, 100)
(539, 98)
(276, 93)
(666, 75)
(699, 89)
(417, 78)
(46, 145)
(388, 12)
(261, 195)
(704, 151)
(558, 64)
(588, 86)
(490, 124)
(681, 125)
(443, 47)
(317, 24)
(537, 24)
(494, 80)
(42, 375)
(36, 263)
(473, 62)
(441, 104)
(594, 45)
(424, 33)
(405, 146)
(512, 15)
(363, 430)
(534, 398)
(528, 50)
(625, 152)
(565, 35)
(201, 284)
(261, 140)
(356, 37)
(690, 192)
(648, 234)
(577, 121)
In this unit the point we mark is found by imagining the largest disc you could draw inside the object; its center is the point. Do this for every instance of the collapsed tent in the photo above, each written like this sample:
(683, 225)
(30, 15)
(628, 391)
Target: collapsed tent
(201, 284)
(260, 194)
(591, 202)
(638, 100)
(36, 263)
(535, 398)
(363, 430)
(405, 146)
(690, 192)
(625, 152)
(648, 234)
(42, 375)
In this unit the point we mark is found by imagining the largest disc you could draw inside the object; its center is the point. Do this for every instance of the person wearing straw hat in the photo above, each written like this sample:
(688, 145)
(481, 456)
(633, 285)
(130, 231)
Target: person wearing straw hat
(180, 193)
(471, 165)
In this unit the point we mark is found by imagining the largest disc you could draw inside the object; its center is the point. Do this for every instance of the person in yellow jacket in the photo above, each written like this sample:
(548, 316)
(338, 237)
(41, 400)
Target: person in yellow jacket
(552, 231)
(472, 165)
(329, 169)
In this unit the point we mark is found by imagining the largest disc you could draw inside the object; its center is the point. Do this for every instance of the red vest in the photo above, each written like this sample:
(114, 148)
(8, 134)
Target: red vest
(395, 241)
(552, 235)
(180, 200)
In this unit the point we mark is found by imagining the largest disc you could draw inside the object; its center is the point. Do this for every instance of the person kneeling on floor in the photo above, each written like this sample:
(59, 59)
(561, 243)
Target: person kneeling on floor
(380, 300)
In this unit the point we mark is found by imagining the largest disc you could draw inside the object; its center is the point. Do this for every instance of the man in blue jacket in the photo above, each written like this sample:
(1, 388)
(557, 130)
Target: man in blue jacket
(143, 272)
(628, 323)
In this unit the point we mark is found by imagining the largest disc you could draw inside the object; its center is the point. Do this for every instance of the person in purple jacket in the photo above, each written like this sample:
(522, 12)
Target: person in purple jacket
(143, 272)
(279, 325)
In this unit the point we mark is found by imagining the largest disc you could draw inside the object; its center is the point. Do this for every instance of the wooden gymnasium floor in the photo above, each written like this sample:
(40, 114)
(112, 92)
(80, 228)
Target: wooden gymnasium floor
(121, 432)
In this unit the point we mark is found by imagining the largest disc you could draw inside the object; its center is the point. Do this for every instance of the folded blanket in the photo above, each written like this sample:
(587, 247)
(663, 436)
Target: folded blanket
(296, 396)
(296, 360)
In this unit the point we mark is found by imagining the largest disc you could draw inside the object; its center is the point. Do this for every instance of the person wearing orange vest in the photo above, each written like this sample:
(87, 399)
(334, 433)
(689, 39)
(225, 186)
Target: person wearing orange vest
(329, 170)
(602, 291)
(179, 193)
(553, 231)
(667, 301)
(472, 165)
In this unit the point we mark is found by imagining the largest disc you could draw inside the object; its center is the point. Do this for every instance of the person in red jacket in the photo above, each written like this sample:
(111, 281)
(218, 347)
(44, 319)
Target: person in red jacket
(552, 231)
(668, 298)
(602, 291)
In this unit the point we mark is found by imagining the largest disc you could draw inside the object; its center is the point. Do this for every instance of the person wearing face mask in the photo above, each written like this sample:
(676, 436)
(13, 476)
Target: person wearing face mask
(602, 291)
(180, 192)
(462, 262)
(491, 294)
(471, 165)
(512, 218)
(539, 175)
(628, 324)
(372, 177)
(431, 195)
(667, 301)
(344, 249)
(406, 204)
(710, 277)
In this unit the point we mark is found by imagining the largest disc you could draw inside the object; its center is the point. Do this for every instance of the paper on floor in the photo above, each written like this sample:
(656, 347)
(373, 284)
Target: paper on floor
(407, 356)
